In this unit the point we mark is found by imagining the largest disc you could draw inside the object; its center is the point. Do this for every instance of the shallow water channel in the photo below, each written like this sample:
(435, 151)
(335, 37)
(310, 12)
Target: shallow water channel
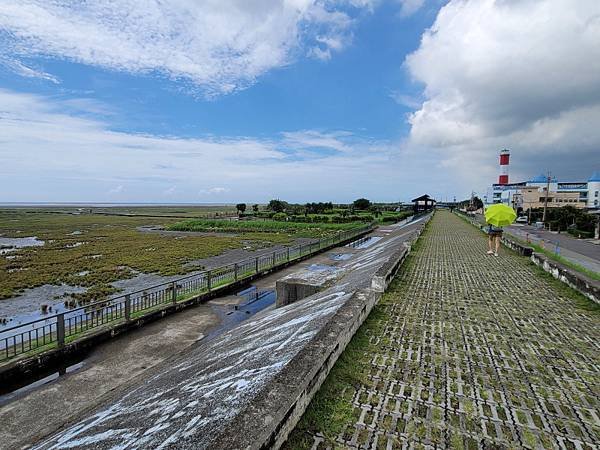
(250, 301)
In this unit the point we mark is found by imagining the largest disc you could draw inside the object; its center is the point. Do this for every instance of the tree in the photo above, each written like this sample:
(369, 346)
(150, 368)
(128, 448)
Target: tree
(277, 205)
(375, 210)
(361, 203)
(255, 208)
(240, 207)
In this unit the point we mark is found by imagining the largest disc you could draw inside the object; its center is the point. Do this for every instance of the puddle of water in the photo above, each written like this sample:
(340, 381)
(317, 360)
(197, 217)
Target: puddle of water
(321, 268)
(8, 245)
(340, 256)
(365, 242)
(251, 289)
(253, 302)
(75, 244)
(15, 391)
(26, 306)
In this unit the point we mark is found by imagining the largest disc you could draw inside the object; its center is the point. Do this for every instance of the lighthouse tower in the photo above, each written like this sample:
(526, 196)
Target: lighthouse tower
(504, 157)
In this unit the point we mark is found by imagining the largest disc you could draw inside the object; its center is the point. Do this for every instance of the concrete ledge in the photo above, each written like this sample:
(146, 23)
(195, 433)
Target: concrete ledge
(522, 250)
(305, 282)
(273, 414)
(385, 274)
(585, 285)
(270, 418)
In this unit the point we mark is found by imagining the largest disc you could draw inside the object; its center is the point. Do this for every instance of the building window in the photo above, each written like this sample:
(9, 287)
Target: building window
(596, 194)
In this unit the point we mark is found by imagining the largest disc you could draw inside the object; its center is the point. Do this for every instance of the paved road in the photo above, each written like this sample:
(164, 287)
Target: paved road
(581, 246)
(469, 351)
(579, 251)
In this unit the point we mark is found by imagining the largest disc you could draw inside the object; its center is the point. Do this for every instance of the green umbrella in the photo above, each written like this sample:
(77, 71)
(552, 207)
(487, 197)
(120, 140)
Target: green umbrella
(500, 215)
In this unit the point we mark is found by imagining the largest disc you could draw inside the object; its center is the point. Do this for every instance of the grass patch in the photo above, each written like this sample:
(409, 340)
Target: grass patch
(578, 299)
(330, 409)
(93, 251)
(299, 229)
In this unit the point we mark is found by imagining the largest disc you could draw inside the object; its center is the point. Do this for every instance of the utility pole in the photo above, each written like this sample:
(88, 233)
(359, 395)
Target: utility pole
(546, 198)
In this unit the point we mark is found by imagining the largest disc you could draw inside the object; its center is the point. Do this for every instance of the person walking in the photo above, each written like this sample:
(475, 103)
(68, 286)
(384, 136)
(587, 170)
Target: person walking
(497, 216)
(494, 237)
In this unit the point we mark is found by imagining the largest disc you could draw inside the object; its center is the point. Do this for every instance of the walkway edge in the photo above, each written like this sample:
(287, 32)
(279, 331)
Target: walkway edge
(575, 280)
(586, 286)
(268, 420)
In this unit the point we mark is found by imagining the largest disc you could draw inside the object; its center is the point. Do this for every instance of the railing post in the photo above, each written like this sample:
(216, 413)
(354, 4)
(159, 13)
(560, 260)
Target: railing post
(273, 265)
(60, 330)
(256, 264)
(208, 280)
(127, 308)
(300, 251)
(288, 254)
(174, 292)
(235, 272)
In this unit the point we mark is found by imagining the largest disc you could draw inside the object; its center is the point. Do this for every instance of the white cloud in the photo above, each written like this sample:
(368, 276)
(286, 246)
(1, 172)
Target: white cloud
(116, 190)
(74, 157)
(21, 69)
(219, 46)
(213, 190)
(307, 139)
(409, 7)
(170, 191)
(408, 100)
(521, 74)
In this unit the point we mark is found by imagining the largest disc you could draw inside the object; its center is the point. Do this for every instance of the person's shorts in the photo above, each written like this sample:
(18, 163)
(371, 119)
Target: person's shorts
(495, 233)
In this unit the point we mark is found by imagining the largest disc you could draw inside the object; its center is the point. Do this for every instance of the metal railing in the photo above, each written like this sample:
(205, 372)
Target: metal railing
(62, 328)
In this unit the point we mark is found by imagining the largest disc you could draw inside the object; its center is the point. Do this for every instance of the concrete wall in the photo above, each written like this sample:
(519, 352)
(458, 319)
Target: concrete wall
(246, 388)
(585, 285)
(273, 415)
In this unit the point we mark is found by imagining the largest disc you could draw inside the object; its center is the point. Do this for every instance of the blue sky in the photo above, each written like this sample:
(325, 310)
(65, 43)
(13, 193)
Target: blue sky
(304, 100)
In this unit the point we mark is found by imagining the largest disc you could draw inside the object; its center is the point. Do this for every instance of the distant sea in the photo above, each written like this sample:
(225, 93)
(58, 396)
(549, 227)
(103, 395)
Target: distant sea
(105, 205)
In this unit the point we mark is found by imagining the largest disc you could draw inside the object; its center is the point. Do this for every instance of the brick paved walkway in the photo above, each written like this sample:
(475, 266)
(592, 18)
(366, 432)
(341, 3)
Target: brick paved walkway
(471, 351)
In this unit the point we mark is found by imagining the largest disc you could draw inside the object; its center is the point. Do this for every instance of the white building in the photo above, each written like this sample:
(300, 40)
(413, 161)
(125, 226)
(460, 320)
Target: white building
(580, 194)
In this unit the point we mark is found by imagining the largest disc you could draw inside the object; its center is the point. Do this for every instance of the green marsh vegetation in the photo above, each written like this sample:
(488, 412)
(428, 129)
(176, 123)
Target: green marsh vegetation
(92, 250)
(361, 210)
(298, 229)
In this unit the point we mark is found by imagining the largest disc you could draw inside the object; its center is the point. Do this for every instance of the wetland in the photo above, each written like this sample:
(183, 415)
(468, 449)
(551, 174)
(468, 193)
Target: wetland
(72, 256)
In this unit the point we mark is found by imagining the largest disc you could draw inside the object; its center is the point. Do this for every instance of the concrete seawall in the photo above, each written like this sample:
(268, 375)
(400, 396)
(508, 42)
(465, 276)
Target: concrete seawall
(585, 285)
(248, 387)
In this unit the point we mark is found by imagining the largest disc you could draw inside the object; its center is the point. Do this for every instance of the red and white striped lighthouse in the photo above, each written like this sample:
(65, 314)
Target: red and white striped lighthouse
(504, 157)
